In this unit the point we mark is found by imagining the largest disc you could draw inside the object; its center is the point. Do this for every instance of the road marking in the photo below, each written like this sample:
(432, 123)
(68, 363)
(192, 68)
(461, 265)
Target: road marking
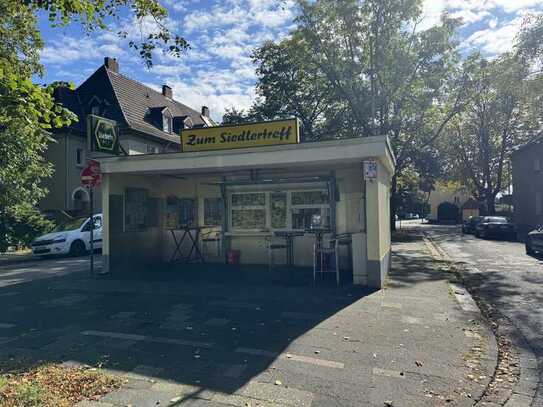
(388, 373)
(412, 320)
(7, 326)
(289, 356)
(155, 339)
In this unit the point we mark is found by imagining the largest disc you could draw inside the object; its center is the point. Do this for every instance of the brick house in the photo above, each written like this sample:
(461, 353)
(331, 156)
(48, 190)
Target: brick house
(527, 164)
(149, 123)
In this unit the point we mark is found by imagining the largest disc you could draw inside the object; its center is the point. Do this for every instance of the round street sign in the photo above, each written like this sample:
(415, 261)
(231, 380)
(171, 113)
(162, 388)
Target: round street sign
(91, 175)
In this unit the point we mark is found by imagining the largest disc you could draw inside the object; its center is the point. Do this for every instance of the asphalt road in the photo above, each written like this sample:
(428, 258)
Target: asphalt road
(33, 269)
(508, 279)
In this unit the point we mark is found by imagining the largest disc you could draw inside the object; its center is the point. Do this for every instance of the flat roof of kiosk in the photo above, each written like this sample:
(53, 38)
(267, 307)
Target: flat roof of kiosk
(323, 153)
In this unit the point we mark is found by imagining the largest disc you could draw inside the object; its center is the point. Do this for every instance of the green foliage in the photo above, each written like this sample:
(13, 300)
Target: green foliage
(236, 116)
(530, 39)
(497, 118)
(28, 112)
(99, 14)
(356, 69)
(29, 395)
(290, 84)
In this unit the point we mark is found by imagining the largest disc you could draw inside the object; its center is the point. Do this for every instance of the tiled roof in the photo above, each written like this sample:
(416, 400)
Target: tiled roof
(135, 99)
(68, 98)
(128, 102)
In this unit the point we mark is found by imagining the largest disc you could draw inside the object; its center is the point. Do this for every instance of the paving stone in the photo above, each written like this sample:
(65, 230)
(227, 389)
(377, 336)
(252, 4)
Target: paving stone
(89, 403)
(279, 394)
(217, 322)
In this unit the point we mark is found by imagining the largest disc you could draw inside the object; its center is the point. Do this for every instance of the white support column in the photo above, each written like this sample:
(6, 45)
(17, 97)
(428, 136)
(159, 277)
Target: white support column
(378, 228)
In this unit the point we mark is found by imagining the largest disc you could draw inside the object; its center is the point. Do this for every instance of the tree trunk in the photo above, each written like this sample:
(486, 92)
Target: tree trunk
(491, 204)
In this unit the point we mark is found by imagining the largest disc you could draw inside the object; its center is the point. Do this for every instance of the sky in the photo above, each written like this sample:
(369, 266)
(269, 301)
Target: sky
(217, 71)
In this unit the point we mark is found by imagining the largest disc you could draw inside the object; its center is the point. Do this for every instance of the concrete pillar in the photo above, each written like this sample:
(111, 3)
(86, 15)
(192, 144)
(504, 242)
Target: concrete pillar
(378, 228)
(106, 178)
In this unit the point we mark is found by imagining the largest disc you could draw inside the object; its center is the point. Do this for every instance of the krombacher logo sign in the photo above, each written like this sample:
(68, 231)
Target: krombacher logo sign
(103, 134)
(241, 136)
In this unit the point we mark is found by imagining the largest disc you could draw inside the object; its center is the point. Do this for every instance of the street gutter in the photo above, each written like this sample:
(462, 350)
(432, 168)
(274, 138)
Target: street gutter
(515, 380)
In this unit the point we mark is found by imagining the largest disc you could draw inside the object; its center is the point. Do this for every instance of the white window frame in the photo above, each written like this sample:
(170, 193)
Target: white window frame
(167, 119)
(267, 207)
(291, 206)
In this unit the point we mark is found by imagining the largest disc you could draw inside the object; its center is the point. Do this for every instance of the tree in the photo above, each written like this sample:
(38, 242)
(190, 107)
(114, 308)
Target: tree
(496, 119)
(290, 84)
(529, 45)
(28, 111)
(389, 78)
(235, 116)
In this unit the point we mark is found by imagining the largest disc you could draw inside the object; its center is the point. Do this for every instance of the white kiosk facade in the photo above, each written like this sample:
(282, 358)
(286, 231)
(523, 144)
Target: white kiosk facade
(240, 198)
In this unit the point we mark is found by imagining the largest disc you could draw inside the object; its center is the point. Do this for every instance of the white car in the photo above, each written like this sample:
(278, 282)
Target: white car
(71, 238)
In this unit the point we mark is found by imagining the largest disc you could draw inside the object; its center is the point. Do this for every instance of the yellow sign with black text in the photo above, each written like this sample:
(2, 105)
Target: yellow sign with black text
(241, 136)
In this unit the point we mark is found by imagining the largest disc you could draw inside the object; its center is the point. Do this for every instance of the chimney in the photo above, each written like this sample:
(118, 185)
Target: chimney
(111, 64)
(205, 111)
(167, 91)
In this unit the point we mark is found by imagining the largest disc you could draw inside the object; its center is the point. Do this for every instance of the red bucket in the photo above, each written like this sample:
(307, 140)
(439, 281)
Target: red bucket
(233, 257)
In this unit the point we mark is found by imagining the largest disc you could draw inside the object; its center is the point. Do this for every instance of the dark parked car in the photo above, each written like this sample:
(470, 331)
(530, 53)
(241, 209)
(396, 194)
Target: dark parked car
(534, 241)
(469, 225)
(496, 227)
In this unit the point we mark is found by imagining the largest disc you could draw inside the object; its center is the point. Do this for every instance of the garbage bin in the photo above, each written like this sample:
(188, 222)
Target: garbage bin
(233, 257)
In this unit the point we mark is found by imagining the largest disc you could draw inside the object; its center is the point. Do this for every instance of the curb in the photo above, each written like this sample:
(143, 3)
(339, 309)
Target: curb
(524, 391)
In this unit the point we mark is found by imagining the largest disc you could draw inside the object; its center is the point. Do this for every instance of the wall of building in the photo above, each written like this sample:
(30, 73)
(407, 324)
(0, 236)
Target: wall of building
(528, 187)
(56, 185)
(454, 194)
(157, 244)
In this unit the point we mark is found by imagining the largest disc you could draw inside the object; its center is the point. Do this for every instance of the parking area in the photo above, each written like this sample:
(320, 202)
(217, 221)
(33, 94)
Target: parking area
(204, 344)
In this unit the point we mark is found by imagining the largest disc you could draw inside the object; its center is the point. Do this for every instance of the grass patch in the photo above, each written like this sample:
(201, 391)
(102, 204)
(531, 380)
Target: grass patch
(51, 385)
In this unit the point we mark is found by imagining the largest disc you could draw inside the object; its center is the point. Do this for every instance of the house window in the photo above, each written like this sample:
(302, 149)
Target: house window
(285, 210)
(79, 157)
(166, 123)
(135, 205)
(213, 208)
(187, 212)
(278, 209)
(248, 211)
(539, 203)
(309, 208)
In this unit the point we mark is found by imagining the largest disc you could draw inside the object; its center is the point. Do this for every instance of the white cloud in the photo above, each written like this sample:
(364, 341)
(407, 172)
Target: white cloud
(495, 40)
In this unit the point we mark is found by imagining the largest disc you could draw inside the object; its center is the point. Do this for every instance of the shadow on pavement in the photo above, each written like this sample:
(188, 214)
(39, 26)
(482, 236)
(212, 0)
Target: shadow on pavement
(215, 334)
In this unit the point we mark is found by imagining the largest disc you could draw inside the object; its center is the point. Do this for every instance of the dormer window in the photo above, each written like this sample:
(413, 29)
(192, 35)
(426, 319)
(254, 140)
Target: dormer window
(166, 123)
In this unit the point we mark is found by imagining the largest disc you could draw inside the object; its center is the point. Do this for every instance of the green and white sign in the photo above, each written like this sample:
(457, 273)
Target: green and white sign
(103, 134)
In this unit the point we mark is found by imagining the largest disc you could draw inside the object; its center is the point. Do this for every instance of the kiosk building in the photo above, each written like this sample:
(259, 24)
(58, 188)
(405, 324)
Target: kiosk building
(241, 199)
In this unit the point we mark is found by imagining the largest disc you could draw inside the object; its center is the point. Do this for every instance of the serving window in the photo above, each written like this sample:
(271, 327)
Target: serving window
(278, 210)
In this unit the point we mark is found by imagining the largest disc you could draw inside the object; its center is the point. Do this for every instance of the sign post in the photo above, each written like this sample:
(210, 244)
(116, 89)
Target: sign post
(91, 177)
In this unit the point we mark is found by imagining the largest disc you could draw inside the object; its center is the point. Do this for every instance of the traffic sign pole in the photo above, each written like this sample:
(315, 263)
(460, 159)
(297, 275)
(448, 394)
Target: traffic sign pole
(91, 177)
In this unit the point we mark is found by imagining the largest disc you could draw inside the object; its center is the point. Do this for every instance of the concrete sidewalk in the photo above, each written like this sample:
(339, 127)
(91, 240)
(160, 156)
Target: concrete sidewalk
(412, 344)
